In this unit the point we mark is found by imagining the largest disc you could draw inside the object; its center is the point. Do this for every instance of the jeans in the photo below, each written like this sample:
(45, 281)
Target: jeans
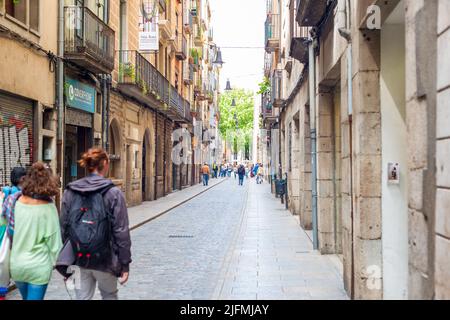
(241, 180)
(205, 179)
(107, 285)
(31, 291)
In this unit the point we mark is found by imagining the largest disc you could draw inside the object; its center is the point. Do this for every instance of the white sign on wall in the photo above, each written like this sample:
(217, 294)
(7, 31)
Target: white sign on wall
(148, 26)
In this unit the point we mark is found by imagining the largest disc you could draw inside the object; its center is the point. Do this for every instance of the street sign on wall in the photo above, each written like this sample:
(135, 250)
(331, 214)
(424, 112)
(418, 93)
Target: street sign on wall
(79, 95)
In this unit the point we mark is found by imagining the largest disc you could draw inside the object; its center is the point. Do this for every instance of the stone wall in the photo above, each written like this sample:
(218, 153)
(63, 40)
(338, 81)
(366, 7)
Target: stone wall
(421, 77)
(442, 270)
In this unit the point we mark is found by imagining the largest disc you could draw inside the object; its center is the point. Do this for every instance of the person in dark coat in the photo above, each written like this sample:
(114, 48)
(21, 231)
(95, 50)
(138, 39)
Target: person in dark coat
(96, 161)
(241, 173)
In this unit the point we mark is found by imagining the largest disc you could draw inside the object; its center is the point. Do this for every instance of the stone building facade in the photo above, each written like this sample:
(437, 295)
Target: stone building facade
(374, 109)
(113, 93)
(28, 117)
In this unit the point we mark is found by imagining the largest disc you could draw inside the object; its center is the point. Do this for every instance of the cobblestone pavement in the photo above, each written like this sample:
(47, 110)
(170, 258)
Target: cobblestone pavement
(180, 254)
(230, 242)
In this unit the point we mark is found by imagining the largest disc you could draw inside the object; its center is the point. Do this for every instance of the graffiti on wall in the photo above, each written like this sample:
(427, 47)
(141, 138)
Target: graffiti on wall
(15, 147)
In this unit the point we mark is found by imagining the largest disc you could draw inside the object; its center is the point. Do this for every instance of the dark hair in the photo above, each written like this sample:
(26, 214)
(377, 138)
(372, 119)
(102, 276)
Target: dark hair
(40, 182)
(17, 174)
(94, 159)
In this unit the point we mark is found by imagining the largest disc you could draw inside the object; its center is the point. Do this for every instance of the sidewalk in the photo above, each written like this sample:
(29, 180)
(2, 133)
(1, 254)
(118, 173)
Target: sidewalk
(151, 210)
(273, 257)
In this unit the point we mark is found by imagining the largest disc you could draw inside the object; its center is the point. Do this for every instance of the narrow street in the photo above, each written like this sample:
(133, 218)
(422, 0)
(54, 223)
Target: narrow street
(230, 242)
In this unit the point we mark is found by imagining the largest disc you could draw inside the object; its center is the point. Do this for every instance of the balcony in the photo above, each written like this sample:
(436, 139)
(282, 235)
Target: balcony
(188, 73)
(139, 79)
(188, 22)
(181, 52)
(198, 36)
(88, 41)
(310, 12)
(276, 87)
(165, 29)
(199, 92)
(267, 109)
(268, 61)
(273, 30)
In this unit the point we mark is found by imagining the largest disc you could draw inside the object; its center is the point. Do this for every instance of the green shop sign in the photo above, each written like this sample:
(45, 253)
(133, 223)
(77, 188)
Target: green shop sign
(79, 95)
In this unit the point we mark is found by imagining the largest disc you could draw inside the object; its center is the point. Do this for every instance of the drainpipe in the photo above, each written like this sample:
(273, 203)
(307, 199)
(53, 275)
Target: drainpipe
(60, 91)
(108, 108)
(312, 107)
(346, 34)
(104, 101)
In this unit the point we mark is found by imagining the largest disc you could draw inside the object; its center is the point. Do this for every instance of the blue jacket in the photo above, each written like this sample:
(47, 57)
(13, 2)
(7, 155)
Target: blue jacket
(9, 191)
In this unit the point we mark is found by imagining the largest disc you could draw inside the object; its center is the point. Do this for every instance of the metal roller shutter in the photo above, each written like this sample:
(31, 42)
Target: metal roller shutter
(16, 135)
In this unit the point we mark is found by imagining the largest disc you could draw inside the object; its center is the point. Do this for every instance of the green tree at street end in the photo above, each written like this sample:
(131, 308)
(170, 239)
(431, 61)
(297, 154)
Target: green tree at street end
(238, 133)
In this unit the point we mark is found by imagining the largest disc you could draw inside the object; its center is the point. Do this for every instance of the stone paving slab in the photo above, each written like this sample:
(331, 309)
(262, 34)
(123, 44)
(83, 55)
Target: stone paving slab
(272, 244)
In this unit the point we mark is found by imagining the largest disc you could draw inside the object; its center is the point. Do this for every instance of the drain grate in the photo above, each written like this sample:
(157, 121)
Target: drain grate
(180, 236)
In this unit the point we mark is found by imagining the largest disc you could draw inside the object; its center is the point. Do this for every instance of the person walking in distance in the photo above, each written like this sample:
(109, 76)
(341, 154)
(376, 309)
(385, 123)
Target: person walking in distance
(33, 226)
(94, 221)
(260, 174)
(241, 173)
(205, 173)
(216, 170)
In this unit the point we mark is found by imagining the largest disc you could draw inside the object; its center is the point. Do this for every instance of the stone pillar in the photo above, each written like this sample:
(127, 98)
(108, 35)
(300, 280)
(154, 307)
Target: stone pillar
(421, 90)
(366, 142)
(442, 263)
(294, 184)
(305, 169)
(325, 193)
(346, 192)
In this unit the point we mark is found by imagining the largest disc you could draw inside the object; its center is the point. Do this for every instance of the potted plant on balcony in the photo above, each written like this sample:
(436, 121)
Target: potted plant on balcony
(127, 72)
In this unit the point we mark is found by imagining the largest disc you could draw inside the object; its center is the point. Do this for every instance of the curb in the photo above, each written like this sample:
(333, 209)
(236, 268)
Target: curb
(140, 224)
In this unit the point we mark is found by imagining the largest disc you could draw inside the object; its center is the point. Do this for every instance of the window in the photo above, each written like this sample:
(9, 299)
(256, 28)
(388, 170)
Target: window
(34, 14)
(18, 10)
(24, 11)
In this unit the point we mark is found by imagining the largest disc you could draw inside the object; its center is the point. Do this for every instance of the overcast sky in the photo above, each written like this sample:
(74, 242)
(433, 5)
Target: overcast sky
(240, 23)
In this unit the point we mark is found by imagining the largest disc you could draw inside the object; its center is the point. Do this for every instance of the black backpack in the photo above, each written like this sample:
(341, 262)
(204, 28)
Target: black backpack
(89, 229)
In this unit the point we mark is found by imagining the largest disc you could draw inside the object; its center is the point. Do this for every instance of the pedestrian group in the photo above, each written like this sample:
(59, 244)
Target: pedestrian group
(90, 239)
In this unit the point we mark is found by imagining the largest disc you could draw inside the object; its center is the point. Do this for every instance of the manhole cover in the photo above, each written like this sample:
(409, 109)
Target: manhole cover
(180, 236)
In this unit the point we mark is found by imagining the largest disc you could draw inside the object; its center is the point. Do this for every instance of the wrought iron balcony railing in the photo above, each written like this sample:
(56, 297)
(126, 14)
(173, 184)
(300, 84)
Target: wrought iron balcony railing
(88, 41)
(273, 31)
(142, 80)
